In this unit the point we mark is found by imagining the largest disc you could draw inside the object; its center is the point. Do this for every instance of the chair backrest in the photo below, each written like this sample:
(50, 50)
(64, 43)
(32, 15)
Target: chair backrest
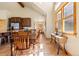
(20, 39)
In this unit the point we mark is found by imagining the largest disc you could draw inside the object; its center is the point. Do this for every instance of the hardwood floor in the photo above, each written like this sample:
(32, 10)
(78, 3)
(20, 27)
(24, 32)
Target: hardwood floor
(43, 48)
(47, 48)
(5, 50)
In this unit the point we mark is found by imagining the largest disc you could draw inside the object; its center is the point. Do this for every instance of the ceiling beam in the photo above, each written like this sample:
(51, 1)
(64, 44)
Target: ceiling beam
(21, 4)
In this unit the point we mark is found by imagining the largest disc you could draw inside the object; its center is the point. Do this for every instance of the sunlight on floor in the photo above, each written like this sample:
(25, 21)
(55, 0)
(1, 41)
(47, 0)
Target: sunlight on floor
(41, 54)
(31, 55)
(41, 46)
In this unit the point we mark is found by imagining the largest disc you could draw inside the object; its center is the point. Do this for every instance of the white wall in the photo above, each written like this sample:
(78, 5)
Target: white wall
(47, 7)
(4, 14)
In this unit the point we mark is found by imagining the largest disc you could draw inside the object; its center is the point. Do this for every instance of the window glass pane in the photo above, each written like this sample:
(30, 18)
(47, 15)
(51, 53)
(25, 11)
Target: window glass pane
(68, 9)
(69, 24)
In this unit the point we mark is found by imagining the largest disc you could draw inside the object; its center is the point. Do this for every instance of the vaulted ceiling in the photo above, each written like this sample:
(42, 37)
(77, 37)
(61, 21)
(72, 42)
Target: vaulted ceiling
(17, 6)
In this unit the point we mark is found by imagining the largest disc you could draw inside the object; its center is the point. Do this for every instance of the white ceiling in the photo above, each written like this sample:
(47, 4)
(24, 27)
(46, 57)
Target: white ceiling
(9, 5)
(15, 6)
(34, 7)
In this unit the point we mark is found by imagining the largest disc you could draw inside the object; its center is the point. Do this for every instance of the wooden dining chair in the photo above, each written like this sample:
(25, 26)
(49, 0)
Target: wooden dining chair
(19, 42)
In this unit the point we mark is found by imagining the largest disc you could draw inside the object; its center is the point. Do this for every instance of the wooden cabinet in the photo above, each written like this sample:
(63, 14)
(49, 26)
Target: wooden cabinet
(23, 22)
(26, 22)
(15, 20)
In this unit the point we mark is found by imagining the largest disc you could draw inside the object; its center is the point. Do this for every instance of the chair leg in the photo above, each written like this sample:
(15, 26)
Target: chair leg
(58, 49)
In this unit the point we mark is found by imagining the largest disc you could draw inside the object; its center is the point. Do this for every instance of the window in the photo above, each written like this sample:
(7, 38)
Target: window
(69, 18)
(66, 18)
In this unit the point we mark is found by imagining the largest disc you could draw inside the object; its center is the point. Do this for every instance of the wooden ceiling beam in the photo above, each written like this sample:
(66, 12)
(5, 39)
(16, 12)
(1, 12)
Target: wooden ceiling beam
(21, 4)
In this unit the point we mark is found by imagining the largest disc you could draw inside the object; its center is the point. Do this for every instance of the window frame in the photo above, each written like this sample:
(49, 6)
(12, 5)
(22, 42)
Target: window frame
(61, 8)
